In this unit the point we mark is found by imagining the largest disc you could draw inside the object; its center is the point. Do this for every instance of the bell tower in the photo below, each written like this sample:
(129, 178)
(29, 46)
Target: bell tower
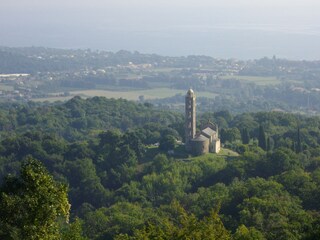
(190, 118)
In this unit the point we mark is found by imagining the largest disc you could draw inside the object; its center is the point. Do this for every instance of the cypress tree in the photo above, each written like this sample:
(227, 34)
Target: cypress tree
(294, 147)
(245, 136)
(298, 147)
(262, 138)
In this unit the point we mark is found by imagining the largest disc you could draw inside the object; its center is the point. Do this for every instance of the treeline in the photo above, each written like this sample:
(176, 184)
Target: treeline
(93, 82)
(122, 186)
(40, 59)
(239, 96)
(78, 118)
(283, 68)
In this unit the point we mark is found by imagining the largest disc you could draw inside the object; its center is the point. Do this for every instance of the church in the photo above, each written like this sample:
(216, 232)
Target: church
(205, 141)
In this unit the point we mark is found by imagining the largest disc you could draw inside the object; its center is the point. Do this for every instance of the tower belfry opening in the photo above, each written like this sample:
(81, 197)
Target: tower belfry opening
(190, 119)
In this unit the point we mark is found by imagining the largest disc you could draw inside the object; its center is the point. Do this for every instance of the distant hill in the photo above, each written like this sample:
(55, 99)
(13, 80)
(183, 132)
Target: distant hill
(40, 59)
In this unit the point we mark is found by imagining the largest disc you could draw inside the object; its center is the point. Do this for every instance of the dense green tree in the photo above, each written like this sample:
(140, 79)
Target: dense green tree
(160, 162)
(230, 135)
(134, 142)
(31, 204)
(224, 114)
(270, 144)
(299, 146)
(121, 166)
(73, 231)
(122, 217)
(181, 225)
(245, 136)
(132, 192)
(282, 159)
(262, 138)
(167, 143)
(244, 233)
(300, 183)
(277, 216)
(245, 120)
(85, 184)
(205, 198)
(112, 138)
(78, 150)
(95, 223)
(164, 187)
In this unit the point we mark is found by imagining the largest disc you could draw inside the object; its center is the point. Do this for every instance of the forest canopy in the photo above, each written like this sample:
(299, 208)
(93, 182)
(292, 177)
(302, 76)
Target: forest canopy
(108, 159)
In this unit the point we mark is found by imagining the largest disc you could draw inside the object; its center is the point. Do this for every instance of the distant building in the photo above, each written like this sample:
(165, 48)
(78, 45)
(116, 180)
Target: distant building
(207, 140)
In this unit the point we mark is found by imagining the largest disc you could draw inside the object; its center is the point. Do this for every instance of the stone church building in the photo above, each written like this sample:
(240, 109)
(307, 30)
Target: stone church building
(207, 140)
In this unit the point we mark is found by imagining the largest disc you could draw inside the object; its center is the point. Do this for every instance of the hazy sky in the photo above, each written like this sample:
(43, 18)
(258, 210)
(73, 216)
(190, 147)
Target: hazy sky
(224, 28)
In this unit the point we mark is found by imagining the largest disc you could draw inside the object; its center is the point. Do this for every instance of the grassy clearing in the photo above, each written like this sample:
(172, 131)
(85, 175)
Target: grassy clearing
(255, 79)
(208, 156)
(4, 87)
(180, 153)
(228, 153)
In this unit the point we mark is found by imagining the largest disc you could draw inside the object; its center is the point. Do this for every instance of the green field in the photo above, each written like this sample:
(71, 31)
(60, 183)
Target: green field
(255, 79)
(4, 87)
(129, 95)
(134, 95)
(52, 99)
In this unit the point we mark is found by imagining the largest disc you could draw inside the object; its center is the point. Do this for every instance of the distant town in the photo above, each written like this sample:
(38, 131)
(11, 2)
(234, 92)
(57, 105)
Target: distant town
(44, 74)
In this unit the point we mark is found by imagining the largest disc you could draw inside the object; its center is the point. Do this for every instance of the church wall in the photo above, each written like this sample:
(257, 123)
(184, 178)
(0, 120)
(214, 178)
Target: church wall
(215, 146)
(200, 147)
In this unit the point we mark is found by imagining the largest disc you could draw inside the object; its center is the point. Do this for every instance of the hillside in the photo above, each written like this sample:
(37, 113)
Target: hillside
(122, 186)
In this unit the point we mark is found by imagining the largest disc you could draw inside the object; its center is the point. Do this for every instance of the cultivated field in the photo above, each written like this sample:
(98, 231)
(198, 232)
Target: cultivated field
(4, 87)
(130, 95)
(255, 79)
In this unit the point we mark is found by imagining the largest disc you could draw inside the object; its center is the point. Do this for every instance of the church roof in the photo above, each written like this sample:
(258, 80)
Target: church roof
(190, 92)
(200, 138)
(208, 131)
